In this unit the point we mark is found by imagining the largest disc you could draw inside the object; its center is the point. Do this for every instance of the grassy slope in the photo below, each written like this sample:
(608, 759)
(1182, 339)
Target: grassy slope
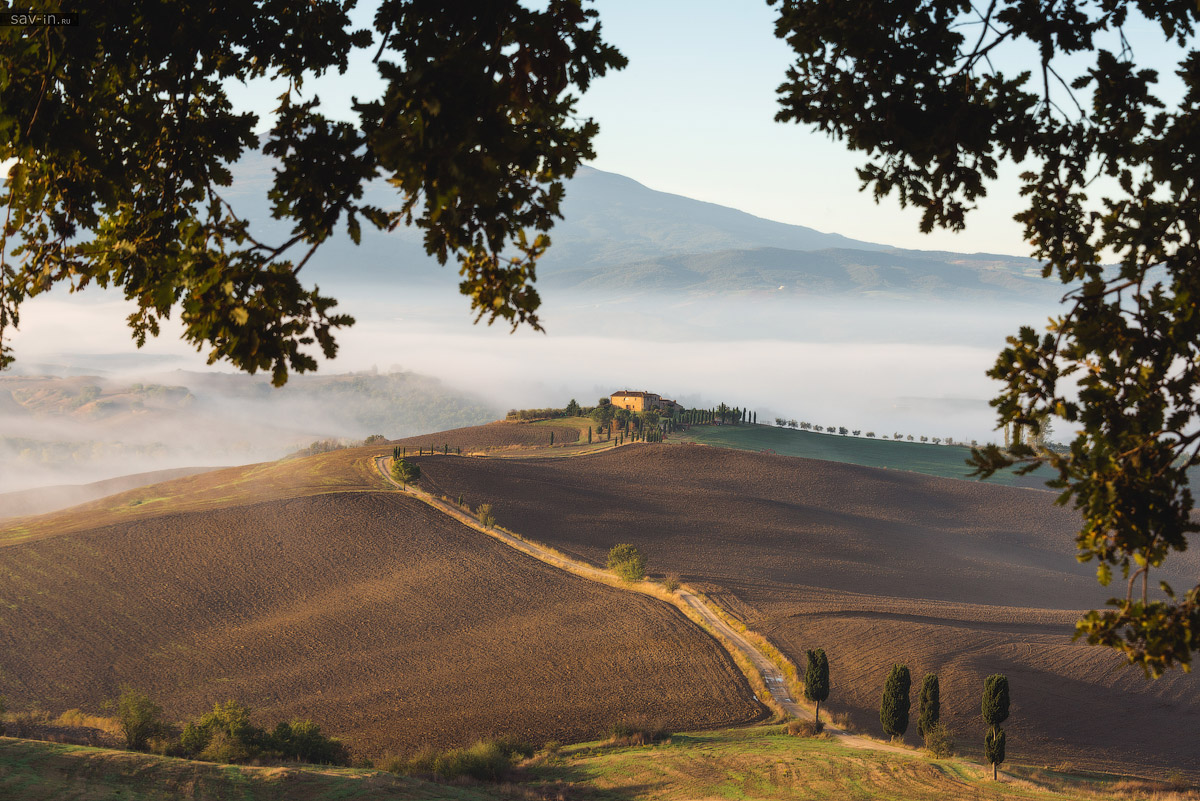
(759, 763)
(947, 461)
(339, 471)
(36, 771)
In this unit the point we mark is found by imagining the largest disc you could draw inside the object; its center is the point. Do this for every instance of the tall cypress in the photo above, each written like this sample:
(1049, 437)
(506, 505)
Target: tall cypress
(816, 679)
(931, 704)
(995, 712)
(893, 709)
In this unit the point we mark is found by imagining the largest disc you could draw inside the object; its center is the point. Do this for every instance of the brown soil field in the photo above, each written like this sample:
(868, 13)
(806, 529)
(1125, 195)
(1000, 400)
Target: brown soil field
(875, 566)
(368, 612)
(337, 471)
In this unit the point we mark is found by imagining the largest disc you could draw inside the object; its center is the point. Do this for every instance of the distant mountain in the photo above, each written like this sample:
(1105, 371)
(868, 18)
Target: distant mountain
(609, 220)
(619, 236)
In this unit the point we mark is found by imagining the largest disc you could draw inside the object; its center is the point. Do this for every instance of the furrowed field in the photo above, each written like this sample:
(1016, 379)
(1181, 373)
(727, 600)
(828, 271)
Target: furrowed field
(875, 566)
(370, 613)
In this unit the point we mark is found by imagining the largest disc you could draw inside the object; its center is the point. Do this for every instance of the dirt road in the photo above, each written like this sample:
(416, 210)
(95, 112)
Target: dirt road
(772, 676)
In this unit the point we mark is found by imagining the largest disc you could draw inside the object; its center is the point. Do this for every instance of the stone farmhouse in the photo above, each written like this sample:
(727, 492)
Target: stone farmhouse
(641, 401)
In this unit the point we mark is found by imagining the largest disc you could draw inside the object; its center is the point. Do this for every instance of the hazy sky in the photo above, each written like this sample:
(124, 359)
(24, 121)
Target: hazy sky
(693, 114)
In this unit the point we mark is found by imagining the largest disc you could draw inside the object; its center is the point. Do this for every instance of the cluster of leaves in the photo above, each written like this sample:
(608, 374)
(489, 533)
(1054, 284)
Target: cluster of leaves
(1112, 175)
(895, 705)
(405, 472)
(123, 133)
(224, 735)
(816, 678)
(627, 562)
(227, 735)
(485, 760)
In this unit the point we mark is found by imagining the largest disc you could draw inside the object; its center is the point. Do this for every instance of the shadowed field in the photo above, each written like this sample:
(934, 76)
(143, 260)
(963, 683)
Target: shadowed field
(386, 622)
(877, 567)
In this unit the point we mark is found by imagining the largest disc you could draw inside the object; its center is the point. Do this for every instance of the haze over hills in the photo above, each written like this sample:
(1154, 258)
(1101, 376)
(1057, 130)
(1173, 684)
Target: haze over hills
(617, 235)
(61, 429)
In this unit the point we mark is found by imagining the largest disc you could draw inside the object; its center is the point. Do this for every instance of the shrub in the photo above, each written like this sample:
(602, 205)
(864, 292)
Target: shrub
(671, 582)
(302, 741)
(406, 472)
(804, 728)
(486, 518)
(3, 709)
(486, 760)
(631, 733)
(627, 562)
(223, 735)
(139, 718)
(939, 740)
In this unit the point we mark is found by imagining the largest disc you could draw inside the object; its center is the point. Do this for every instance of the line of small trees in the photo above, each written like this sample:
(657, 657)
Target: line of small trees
(802, 425)
(895, 705)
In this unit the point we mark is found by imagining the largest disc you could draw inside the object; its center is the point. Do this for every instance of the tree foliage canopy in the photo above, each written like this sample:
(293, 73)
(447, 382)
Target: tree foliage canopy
(895, 705)
(927, 90)
(124, 134)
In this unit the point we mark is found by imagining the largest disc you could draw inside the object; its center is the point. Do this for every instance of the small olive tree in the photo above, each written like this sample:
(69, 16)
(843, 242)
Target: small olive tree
(627, 562)
(486, 517)
(139, 718)
(406, 472)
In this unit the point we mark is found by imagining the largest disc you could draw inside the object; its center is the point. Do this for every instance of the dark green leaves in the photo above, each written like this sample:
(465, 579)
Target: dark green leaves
(124, 135)
(915, 86)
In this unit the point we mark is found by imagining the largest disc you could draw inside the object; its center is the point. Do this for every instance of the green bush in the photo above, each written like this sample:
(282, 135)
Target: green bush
(302, 741)
(671, 582)
(627, 733)
(406, 472)
(804, 728)
(939, 740)
(627, 562)
(139, 718)
(486, 760)
(484, 513)
(227, 735)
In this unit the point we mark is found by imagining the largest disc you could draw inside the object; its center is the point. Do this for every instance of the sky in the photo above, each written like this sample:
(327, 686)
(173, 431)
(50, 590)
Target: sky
(693, 114)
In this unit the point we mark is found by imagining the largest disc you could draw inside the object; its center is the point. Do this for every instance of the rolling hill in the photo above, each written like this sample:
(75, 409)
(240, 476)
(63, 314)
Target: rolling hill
(875, 566)
(619, 236)
(301, 589)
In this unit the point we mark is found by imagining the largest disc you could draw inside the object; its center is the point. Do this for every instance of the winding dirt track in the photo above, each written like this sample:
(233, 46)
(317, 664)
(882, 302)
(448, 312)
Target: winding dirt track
(771, 675)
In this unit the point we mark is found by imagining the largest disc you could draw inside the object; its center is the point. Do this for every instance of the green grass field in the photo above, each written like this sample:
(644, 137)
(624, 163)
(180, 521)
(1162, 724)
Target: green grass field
(947, 461)
(751, 763)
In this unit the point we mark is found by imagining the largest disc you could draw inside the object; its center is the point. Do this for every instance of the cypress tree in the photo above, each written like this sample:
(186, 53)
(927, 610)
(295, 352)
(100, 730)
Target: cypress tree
(589, 435)
(931, 703)
(995, 712)
(893, 709)
(816, 679)
(993, 748)
(551, 437)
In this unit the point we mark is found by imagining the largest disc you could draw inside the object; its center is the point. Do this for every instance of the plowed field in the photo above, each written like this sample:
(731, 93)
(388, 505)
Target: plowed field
(875, 566)
(370, 613)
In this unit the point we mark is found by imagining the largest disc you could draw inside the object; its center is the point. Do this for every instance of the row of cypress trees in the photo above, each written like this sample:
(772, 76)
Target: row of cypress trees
(894, 709)
(895, 705)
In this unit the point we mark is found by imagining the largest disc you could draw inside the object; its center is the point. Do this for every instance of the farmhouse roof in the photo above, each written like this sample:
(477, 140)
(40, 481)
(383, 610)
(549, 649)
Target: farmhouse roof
(638, 394)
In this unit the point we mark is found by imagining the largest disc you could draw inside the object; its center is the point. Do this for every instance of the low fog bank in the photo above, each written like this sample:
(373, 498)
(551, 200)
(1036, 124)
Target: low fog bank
(58, 426)
(860, 362)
